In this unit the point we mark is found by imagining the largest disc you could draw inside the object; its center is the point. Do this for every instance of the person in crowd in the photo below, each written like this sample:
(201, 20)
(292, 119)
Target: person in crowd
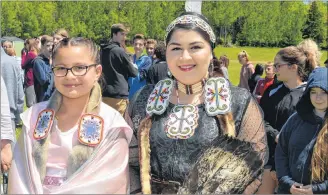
(28, 72)
(310, 46)
(117, 68)
(159, 70)
(11, 75)
(24, 51)
(42, 73)
(7, 45)
(301, 156)
(263, 84)
(193, 126)
(143, 63)
(59, 35)
(150, 49)
(225, 64)
(326, 63)
(73, 143)
(247, 69)
(278, 102)
(259, 69)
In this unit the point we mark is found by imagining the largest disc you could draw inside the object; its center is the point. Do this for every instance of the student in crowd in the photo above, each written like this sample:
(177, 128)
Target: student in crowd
(11, 75)
(28, 72)
(259, 69)
(72, 143)
(24, 51)
(150, 49)
(59, 35)
(310, 46)
(180, 117)
(159, 70)
(247, 69)
(278, 102)
(143, 63)
(263, 84)
(224, 61)
(117, 68)
(42, 73)
(301, 156)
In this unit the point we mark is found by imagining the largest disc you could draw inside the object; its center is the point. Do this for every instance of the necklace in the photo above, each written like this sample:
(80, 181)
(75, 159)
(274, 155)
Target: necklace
(183, 120)
(191, 89)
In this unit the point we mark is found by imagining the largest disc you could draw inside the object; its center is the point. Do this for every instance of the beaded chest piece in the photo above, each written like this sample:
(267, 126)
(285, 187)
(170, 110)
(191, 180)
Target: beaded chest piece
(183, 119)
(90, 128)
(43, 124)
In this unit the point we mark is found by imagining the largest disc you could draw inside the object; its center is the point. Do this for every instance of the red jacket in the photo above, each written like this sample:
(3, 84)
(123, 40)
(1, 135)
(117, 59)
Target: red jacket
(261, 86)
(28, 67)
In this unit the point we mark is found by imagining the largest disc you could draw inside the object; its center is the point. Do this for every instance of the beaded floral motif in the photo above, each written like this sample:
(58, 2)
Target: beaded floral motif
(182, 122)
(217, 96)
(90, 129)
(159, 98)
(43, 124)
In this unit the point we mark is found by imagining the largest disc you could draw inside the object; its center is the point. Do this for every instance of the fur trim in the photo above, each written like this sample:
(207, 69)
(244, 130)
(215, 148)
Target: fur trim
(79, 155)
(227, 124)
(228, 166)
(144, 154)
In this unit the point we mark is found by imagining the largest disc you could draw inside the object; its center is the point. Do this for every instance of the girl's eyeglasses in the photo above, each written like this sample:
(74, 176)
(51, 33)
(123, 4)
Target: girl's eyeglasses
(76, 70)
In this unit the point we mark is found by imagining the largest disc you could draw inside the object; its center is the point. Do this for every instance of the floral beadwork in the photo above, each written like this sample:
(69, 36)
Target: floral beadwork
(182, 122)
(217, 96)
(159, 98)
(90, 129)
(43, 124)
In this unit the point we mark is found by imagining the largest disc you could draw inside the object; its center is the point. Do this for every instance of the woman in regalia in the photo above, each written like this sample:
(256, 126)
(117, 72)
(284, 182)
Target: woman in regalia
(194, 132)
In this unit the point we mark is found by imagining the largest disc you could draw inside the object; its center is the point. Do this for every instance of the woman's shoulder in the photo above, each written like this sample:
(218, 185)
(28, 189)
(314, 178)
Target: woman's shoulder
(239, 93)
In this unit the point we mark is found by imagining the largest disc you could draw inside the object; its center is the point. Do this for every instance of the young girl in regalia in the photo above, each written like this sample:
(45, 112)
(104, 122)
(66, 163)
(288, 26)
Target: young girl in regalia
(72, 143)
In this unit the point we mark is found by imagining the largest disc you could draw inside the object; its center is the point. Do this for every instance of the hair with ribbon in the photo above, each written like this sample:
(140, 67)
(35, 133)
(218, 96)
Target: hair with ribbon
(192, 21)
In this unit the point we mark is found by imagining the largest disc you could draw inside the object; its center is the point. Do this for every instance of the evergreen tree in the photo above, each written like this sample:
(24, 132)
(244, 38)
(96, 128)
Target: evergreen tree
(313, 27)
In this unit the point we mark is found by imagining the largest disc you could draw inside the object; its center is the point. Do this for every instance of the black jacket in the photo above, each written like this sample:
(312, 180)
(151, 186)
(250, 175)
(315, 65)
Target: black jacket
(278, 104)
(297, 139)
(117, 68)
(157, 72)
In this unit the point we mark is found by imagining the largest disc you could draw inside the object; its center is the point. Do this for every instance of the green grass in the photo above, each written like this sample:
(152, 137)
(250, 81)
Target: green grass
(257, 55)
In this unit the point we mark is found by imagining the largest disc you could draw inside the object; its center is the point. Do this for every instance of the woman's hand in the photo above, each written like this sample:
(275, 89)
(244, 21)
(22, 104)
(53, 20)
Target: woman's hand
(300, 189)
(306, 189)
(6, 155)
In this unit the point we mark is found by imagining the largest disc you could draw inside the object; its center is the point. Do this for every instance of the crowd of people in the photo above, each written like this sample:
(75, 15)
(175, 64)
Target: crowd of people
(164, 119)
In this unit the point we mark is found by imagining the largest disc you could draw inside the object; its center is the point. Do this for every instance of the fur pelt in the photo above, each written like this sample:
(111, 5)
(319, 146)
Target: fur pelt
(80, 153)
(144, 154)
(228, 166)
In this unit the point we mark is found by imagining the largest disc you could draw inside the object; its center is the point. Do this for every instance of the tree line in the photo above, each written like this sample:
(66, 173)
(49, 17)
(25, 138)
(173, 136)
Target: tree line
(244, 23)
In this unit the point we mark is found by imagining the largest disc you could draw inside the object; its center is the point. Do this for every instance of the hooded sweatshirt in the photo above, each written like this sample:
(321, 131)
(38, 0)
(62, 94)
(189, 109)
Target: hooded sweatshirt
(43, 77)
(297, 139)
(117, 68)
(278, 104)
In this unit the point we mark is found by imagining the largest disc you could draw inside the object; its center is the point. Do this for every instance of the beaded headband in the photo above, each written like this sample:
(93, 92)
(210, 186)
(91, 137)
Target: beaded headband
(191, 19)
